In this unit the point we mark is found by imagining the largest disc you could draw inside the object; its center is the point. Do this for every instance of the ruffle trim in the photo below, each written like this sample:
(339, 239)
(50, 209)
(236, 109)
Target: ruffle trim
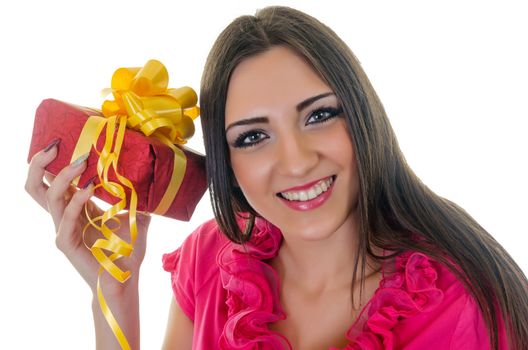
(252, 288)
(407, 289)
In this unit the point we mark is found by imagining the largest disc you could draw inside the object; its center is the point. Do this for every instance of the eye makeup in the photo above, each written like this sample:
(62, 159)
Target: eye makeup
(249, 138)
(323, 114)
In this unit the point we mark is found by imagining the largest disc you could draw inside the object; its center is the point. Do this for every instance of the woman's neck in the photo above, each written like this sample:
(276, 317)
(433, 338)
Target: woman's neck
(321, 265)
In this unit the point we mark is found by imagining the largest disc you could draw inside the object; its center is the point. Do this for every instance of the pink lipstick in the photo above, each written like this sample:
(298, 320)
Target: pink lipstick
(297, 197)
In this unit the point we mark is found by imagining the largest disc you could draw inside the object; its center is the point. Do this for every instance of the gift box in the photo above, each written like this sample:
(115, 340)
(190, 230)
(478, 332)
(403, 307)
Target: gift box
(136, 158)
(145, 161)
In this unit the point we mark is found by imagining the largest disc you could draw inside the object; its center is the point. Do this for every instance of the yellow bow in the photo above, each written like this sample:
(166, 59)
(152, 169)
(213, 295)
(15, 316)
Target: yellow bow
(152, 108)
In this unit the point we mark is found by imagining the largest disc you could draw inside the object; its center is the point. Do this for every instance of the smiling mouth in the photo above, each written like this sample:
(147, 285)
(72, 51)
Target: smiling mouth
(310, 193)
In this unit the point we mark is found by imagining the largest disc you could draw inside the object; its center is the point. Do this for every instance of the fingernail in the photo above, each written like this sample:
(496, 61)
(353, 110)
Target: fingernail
(80, 160)
(51, 145)
(91, 181)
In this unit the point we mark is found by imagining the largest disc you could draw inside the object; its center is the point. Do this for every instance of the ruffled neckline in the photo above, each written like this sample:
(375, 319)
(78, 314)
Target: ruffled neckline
(408, 288)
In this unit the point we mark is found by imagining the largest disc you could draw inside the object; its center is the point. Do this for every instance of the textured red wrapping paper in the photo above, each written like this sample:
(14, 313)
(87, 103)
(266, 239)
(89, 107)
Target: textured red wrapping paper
(146, 162)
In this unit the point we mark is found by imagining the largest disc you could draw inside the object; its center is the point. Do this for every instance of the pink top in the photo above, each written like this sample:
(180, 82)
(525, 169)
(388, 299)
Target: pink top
(231, 294)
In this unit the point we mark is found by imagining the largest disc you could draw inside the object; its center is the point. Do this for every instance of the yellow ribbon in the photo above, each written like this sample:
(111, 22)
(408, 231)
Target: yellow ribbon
(142, 102)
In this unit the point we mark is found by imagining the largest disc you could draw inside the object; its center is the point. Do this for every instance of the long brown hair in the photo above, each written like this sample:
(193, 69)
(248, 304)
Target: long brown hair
(394, 205)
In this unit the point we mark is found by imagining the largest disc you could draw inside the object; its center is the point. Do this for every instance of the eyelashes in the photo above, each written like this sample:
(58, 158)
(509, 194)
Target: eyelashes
(322, 115)
(249, 138)
(318, 116)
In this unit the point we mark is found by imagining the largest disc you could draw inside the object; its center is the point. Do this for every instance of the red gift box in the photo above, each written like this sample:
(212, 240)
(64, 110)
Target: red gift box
(145, 161)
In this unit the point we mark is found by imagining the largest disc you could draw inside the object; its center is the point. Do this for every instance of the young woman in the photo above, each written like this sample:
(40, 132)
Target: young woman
(324, 237)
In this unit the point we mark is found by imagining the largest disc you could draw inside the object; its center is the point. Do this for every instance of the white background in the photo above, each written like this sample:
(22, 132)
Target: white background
(452, 76)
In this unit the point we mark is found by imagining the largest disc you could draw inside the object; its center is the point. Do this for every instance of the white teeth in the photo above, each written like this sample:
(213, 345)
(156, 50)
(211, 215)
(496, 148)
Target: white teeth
(311, 193)
(318, 190)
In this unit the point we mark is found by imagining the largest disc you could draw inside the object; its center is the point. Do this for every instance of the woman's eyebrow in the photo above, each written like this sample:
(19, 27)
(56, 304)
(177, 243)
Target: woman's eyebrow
(302, 105)
(258, 120)
(247, 121)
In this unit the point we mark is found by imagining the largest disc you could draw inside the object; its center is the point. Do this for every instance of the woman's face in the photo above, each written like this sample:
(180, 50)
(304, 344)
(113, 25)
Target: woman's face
(290, 150)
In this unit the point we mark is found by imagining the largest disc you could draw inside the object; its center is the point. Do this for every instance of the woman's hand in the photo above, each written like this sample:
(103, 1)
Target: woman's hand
(66, 207)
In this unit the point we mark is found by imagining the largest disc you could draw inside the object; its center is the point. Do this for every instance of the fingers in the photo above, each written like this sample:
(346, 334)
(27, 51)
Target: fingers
(143, 218)
(58, 190)
(49, 177)
(34, 185)
(68, 230)
(143, 222)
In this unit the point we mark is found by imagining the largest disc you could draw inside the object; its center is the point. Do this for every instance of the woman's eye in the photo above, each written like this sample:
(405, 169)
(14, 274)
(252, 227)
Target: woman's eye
(323, 114)
(249, 138)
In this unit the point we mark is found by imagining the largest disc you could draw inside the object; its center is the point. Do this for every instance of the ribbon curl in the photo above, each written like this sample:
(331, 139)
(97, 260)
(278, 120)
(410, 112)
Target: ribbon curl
(142, 102)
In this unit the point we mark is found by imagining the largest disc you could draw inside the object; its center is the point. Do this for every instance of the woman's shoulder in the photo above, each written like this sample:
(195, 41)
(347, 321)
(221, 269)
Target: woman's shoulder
(193, 265)
(212, 277)
(420, 299)
(420, 283)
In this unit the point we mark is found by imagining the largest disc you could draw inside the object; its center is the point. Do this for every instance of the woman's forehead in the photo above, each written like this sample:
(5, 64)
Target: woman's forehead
(275, 79)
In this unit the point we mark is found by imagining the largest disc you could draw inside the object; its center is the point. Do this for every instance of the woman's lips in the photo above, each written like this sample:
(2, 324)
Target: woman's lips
(322, 187)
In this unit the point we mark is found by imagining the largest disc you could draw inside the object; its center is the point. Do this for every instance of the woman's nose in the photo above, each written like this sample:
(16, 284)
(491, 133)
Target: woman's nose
(296, 155)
